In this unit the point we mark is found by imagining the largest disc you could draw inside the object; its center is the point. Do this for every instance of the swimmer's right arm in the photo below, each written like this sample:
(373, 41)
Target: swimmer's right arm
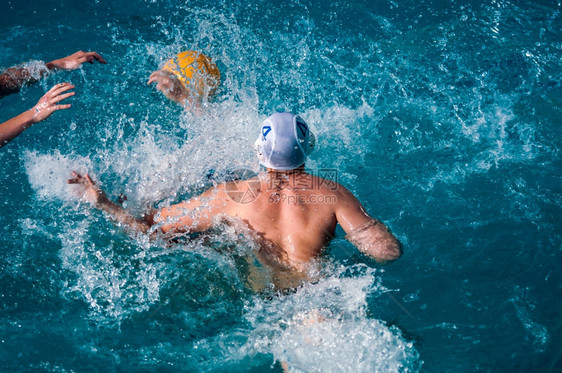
(75, 61)
(195, 215)
(93, 194)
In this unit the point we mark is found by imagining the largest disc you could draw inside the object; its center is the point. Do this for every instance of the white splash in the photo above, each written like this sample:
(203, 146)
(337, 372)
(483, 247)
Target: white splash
(48, 173)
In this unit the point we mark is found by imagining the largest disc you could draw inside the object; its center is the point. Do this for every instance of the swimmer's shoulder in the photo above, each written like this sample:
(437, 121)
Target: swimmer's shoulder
(328, 186)
(237, 191)
(335, 194)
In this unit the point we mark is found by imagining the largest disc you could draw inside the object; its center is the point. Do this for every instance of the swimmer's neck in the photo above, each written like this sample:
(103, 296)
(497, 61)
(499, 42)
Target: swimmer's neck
(277, 180)
(295, 171)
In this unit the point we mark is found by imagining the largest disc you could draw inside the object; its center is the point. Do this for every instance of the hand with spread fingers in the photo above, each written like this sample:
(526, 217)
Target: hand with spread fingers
(13, 78)
(170, 86)
(91, 193)
(49, 102)
(41, 111)
(75, 60)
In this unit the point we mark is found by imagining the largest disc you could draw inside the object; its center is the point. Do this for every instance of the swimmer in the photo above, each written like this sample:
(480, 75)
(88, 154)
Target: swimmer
(292, 214)
(48, 104)
(12, 79)
(190, 79)
(16, 77)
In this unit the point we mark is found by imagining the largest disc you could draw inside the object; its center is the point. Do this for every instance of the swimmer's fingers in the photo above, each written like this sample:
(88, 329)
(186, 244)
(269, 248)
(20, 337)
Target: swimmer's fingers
(75, 60)
(169, 85)
(163, 81)
(90, 57)
(89, 180)
(61, 97)
(57, 93)
(48, 103)
(76, 178)
(60, 88)
(62, 107)
(91, 192)
(96, 56)
(163, 86)
(79, 179)
(153, 77)
(159, 76)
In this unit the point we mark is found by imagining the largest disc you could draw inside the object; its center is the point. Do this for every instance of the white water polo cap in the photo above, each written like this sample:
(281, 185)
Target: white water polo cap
(284, 142)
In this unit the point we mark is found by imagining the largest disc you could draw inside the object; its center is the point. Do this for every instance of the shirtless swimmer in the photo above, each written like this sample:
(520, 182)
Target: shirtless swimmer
(281, 214)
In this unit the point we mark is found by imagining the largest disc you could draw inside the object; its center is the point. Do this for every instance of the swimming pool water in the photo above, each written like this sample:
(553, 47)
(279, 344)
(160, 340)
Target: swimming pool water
(442, 117)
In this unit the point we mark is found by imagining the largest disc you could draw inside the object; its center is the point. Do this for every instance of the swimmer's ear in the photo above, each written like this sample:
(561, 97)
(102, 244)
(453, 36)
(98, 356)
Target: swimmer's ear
(259, 151)
(311, 142)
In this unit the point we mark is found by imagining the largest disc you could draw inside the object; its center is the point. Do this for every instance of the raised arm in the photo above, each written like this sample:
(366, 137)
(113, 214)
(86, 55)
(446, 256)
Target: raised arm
(41, 111)
(367, 233)
(12, 79)
(170, 86)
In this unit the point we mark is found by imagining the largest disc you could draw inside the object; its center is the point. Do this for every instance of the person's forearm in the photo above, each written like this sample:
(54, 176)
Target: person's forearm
(122, 216)
(94, 195)
(53, 65)
(13, 127)
(375, 240)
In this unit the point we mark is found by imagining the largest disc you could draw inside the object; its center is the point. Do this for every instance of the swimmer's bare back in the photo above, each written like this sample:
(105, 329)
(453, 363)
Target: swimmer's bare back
(293, 213)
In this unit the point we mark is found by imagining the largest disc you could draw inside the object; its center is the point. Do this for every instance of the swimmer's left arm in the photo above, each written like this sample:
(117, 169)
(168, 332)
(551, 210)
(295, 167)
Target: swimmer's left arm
(13, 78)
(368, 234)
(48, 104)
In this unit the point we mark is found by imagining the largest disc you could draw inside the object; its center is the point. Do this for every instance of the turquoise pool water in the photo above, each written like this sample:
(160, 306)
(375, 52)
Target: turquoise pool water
(442, 117)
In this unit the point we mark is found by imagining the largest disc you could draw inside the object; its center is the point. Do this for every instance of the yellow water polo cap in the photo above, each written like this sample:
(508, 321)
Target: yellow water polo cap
(194, 69)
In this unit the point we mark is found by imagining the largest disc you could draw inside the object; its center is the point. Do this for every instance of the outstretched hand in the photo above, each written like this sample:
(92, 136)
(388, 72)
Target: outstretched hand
(48, 103)
(94, 195)
(169, 85)
(91, 193)
(74, 61)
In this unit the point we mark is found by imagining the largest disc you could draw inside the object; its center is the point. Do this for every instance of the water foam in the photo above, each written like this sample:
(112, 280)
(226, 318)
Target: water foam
(318, 329)
(112, 277)
(49, 172)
